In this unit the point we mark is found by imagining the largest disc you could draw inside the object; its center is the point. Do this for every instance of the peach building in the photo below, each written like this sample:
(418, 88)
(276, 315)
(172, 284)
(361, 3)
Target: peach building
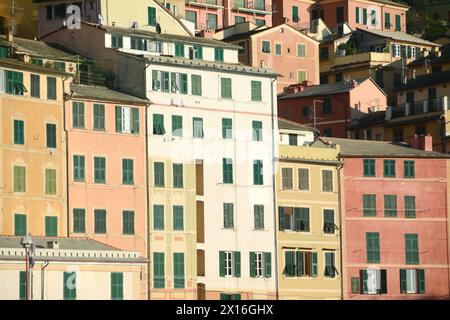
(281, 48)
(106, 168)
(296, 13)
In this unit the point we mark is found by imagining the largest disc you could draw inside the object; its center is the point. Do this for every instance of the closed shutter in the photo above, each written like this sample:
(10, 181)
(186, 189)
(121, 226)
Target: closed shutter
(358, 19)
(256, 90)
(151, 16)
(365, 16)
(281, 218)
(118, 119)
(289, 269)
(383, 275)
(299, 264)
(116, 286)
(196, 83)
(222, 263)
(267, 264)
(314, 265)
(402, 280)
(252, 265)
(237, 263)
(22, 285)
(135, 123)
(363, 279)
(421, 274)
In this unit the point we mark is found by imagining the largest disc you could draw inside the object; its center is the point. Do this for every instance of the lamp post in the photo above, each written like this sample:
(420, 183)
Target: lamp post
(27, 243)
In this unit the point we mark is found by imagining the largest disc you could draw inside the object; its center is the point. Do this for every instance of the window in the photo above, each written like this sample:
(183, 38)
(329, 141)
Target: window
(256, 91)
(160, 81)
(158, 270)
(258, 211)
(59, 66)
(389, 168)
(328, 221)
(99, 170)
(369, 205)
(373, 281)
(70, 286)
(327, 181)
(412, 281)
(99, 117)
(198, 128)
(35, 86)
(3, 50)
(55, 12)
(286, 178)
(178, 220)
(358, 15)
(127, 171)
(373, 17)
(51, 226)
(230, 263)
(355, 280)
(295, 17)
(20, 179)
(330, 269)
(390, 205)
(19, 132)
(151, 16)
(218, 54)
(294, 219)
(300, 264)
(301, 51)
(78, 114)
(158, 217)
(227, 128)
(179, 50)
(226, 92)
(228, 216)
(410, 206)
(306, 111)
(159, 174)
(412, 248)
(260, 22)
(387, 20)
(127, 120)
(158, 124)
(293, 139)
(178, 83)
(22, 285)
(14, 84)
(338, 77)
(301, 76)
(20, 225)
(78, 168)
(303, 177)
(278, 49)
(395, 50)
(116, 286)
(323, 53)
(265, 47)
(326, 107)
(409, 169)
(128, 222)
(177, 175)
(198, 52)
(258, 172)
(398, 23)
(178, 270)
(79, 221)
(373, 247)
(196, 85)
(177, 125)
(339, 15)
(227, 168)
(51, 135)
(116, 41)
(257, 130)
(211, 21)
(50, 181)
(51, 88)
(290, 266)
(100, 221)
(260, 264)
(369, 168)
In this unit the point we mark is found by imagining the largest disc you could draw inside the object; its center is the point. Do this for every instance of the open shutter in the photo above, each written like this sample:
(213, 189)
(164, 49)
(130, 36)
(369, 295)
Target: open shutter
(314, 265)
(365, 16)
(421, 275)
(299, 264)
(135, 128)
(297, 220)
(363, 279)
(118, 119)
(281, 218)
(402, 280)
(383, 275)
(252, 264)
(237, 264)
(267, 264)
(222, 263)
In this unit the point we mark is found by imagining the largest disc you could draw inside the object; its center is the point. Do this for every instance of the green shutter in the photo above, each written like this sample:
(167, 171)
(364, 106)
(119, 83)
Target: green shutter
(357, 15)
(397, 23)
(35, 86)
(252, 265)
(20, 225)
(116, 286)
(127, 171)
(69, 285)
(363, 278)
(158, 217)
(364, 16)
(178, 270)
(267, 264)
(299, 263)
(99, 221)
(159, 179)
(51, 88)
(257, 130)
(177, 169)
(178, 223)
(412, 248)
(51, 226)
(218, 54)
(256, 90)
(196, 85)
(177, 126)
(237, 263)
(19, 132)
(151, 16)
(289, 269)
(281, 218)
(226, 90)
(51, 135)
(409, 171)
(20, 181)
(410, 206)
(222, 263)
(355, 284)
(390, 205)
(373, 247)
(118, 119)
(227, 168)
(314, 265)
(227, 128)
(258, 172)
(402, 281)
(421, 273)
(135, 120)
(128, 222)
(158, 270)
(22, 285)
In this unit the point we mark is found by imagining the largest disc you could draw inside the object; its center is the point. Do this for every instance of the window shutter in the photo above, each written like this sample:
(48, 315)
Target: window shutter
(297, 219)
(237, 264)
(118, 119)
(383, 281)
(314, 265)
(222, 263)
(135, 128)
(299, 264)
(363, 279)
(281, 218)
(267, 264)
(357, 15)
(355, 285)
(402, 280)
(252, 265)
(364, 16)
(421, 274)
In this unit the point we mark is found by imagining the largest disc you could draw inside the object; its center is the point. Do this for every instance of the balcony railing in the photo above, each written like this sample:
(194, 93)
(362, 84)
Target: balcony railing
(206, 3)
(253, 6)
(440, 104)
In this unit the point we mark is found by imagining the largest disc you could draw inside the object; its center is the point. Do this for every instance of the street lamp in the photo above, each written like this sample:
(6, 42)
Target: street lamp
(27, 243)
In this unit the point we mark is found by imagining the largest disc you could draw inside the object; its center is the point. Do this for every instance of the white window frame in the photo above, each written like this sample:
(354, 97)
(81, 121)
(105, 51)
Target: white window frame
(373, 281)
(229, 264)
(412, 285)
(396, 50)
(259, 264)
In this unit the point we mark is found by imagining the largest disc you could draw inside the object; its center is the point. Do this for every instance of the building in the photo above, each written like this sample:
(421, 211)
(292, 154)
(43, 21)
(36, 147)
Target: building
(139, 14)
(394, 220)
(281, 48)
(210, 15)
(32, 150)
(296, 13)
(18, 17)
(440, 10)
(331, 107)
(69, 269)
(307, 196)
(369, 126)
(371, 14)
(435, 62)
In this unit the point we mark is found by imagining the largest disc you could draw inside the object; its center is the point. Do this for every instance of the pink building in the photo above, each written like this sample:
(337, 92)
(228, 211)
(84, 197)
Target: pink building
(394, 226)
(371, 14)
(107, 167)
(296, 13)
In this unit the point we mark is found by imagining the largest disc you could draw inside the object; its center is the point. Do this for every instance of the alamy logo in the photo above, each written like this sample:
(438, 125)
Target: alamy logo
(74, 19)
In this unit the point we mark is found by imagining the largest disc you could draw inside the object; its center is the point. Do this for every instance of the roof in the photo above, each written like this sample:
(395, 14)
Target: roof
(392, 3)
(104, 94)
(64, 243)
(38, 49)
(433, 60)
(291, 125)
(20, 65)
(400, 36)
(370, 119)
(323, 89)
(416, 118)
(425, 80)
(365, 148)
(169, 37)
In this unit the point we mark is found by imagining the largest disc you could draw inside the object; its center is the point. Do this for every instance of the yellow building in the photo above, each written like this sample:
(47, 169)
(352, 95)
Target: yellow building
(32, 150)
(307, 198)
(18, 17)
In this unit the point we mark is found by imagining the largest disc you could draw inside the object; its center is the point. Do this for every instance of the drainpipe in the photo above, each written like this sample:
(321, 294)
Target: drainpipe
(42, 278)
(274, 189)
(66, 98)
(447, 227)
(147, 184)
(339, 168)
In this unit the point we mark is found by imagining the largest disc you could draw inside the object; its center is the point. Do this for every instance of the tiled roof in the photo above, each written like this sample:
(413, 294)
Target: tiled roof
(370, 119)
(64, 243)
(365, 148)
(393, 3)
(397, 35)
(291, 125)
(104, 94)
(425, 80)
(16, 64)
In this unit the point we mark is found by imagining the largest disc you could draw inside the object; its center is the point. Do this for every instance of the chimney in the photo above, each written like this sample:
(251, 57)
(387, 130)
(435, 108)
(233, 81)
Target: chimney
(424, 143)
(53, 245)
(208, 34)
(10, 37)
(354, 83)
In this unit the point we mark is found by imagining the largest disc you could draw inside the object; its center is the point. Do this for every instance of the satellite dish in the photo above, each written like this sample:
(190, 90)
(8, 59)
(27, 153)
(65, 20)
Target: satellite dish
(158, 28)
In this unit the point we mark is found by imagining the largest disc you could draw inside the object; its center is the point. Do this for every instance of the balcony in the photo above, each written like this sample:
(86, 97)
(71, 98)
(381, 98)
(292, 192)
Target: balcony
(259, 7)
(366, 57)
(440, 104)
(217, 4)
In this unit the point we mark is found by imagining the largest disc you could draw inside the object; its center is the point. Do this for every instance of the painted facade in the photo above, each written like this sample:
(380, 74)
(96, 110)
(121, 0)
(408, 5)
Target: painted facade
(296, 13)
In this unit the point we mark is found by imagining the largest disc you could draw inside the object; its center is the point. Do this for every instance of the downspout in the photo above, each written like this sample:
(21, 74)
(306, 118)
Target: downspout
(447, 227)
(147, 184)
(274, 189)
(339, 168)
(66, 98)
(42, 278)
